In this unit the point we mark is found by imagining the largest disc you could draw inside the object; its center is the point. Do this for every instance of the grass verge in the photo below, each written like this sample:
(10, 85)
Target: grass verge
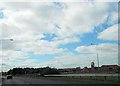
(86, 80)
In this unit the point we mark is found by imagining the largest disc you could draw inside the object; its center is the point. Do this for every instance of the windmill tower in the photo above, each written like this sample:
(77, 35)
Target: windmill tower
(92, 64)
(92, 67)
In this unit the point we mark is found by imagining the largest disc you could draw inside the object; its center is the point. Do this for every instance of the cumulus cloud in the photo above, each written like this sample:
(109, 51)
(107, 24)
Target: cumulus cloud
(68, 60)
(101, 48)
(40, 18)
(106, 51)
(12, 63)
(80, 21)
(14, 54)
(27, 22)
(110, 33)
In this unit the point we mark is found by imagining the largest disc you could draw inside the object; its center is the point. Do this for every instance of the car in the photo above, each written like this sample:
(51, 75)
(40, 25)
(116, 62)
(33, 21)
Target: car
(9, 77)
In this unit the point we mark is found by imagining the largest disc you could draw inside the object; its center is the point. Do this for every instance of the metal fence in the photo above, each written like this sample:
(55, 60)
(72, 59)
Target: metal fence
(85, 75)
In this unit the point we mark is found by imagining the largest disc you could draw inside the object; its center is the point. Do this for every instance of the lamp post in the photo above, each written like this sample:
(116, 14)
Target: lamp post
(6, 39)
(1, 53)
(3, 65)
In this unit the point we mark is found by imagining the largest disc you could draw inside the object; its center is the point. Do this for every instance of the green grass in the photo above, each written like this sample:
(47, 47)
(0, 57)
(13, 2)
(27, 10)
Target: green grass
(87, 80)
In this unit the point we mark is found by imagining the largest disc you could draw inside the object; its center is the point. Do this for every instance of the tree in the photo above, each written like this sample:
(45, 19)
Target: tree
(41, 71)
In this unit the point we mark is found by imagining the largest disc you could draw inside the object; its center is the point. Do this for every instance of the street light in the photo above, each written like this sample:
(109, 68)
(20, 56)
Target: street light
(4, 66)
(6, 39)
(1, 49)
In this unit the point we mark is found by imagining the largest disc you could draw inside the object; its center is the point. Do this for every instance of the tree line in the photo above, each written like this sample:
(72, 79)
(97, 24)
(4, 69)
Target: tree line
(41, 71)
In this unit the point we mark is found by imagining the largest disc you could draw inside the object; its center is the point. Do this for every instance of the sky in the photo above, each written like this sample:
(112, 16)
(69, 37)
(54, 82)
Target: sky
(58, 34)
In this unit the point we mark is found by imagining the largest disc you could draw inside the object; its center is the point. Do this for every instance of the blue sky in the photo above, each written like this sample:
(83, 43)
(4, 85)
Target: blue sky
(59, 34)
(1, 14)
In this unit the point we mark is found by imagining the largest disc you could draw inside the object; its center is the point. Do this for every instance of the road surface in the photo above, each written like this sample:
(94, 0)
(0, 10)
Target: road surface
(0, 81)
(23, 80)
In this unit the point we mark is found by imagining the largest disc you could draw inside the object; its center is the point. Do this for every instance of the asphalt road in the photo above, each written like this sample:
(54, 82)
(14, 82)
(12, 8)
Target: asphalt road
(24, 80)
(0, 81)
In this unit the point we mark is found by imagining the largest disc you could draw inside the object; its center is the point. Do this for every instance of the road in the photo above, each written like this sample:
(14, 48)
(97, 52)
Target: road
(0, 81)
(23, 80)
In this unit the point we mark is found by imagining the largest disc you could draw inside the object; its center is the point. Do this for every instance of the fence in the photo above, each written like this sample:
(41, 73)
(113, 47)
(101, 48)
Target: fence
(115, 77)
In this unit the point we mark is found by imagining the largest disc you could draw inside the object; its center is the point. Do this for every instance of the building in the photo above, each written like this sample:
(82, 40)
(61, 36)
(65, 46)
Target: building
(86, 70)
(109, 69)
(103, 69)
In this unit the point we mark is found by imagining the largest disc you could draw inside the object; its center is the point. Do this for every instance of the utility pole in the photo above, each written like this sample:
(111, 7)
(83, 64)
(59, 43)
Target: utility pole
(98, 60)
(89, 64)
(96, 55)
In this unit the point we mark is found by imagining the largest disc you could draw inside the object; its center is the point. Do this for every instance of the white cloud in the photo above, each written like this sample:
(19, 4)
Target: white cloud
(9, 54)
(40, 18)
(101, 48)
(105, 52)
(79, 21)
(9, 58)
(114, 16)
(12, 63)
(110, 33)
(68, 60)
(108, 54)
(47, 47)
(27, 22)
